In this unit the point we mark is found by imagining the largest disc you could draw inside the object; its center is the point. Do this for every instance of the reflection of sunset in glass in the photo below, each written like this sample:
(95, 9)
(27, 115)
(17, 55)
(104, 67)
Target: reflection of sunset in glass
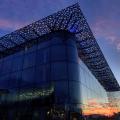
(93, 107)
(94, 98)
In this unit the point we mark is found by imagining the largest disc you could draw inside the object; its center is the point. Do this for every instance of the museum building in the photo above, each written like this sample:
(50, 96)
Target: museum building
(54, 69)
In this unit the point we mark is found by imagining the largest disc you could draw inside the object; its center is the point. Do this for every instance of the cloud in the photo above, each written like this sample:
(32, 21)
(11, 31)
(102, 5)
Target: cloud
(108, 29)
(118, 46)
(6, 24)
(95, 106)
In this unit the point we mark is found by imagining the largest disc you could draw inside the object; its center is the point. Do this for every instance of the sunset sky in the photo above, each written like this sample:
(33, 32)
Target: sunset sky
(103, 16)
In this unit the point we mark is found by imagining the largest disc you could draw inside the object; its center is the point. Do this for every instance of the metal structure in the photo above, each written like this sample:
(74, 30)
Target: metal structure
(72, 20)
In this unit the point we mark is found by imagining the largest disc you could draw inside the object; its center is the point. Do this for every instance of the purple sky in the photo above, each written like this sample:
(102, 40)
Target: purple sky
(103, 17)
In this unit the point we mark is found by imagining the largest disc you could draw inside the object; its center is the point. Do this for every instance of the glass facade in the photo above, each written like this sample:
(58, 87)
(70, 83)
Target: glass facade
(94, 97)
(50, 80)
(114, 101)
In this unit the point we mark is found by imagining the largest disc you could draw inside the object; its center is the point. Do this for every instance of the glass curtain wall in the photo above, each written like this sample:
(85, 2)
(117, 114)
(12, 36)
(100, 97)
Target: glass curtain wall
(93, 95)
(114, 101)
(52, 68)
(47, 68)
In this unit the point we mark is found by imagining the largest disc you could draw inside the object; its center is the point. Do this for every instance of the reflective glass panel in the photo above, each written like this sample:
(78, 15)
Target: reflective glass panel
(58, 71)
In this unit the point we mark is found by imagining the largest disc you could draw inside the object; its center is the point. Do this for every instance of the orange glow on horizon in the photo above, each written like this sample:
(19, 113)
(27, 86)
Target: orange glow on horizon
(94, 107)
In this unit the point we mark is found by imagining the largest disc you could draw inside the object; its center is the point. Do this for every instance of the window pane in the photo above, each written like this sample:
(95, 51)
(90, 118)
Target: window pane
(1, 67)
(61, 91)
(84, 94)
(72, 54)
(15, 80)
(43, 56)
(83, 76)
(7, 63)
(75, 92)
(71, 41)
(29, 60)
(46, 57)
(42, 73)
(73, 69)
(43, 45)
(58, 53)
(27, 76)
(17, 63)
(4, 82)
(56, 40)
(59, 71)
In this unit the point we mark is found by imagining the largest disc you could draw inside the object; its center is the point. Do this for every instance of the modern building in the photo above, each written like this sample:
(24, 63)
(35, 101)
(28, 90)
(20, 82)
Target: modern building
(53, 69)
